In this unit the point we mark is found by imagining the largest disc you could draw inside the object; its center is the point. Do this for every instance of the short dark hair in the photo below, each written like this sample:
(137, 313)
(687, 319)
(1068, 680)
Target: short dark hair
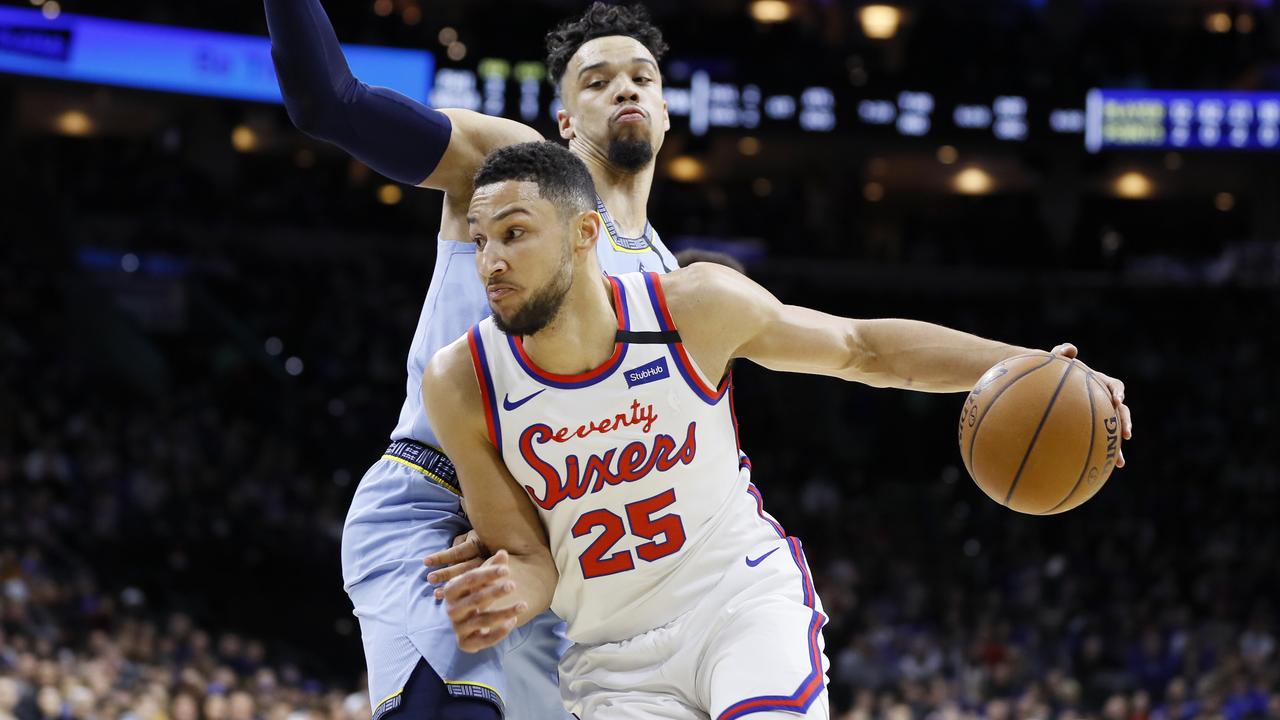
(562, 178)
(601, 20)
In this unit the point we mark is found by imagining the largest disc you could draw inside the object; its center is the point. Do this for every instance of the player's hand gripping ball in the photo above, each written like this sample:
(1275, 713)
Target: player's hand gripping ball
(1041, 433)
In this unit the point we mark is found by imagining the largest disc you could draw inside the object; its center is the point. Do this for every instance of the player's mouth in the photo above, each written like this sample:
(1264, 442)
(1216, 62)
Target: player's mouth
(629, 114)
(499, 291)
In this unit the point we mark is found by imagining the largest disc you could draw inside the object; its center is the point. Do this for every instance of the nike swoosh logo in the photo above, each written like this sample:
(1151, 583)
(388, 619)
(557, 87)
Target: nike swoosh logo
(509, 406)
(757, 561)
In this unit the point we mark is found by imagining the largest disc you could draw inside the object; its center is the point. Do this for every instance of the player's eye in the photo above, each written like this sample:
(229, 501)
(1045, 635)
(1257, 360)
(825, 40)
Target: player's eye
(596, 84)
(479, 241)
(514, 233)
(644, 80)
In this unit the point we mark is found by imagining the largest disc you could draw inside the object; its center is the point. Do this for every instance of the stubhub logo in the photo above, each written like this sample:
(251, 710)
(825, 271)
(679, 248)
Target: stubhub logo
(653, 372)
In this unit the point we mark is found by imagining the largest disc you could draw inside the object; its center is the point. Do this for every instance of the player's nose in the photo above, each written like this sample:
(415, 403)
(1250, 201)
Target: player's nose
(628, 92)
(492, 263)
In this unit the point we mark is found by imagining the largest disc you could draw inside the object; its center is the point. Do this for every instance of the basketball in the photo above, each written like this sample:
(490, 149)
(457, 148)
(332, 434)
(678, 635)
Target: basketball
(1039, 434)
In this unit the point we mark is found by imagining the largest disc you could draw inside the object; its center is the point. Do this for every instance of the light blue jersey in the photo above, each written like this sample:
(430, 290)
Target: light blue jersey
(402, 512)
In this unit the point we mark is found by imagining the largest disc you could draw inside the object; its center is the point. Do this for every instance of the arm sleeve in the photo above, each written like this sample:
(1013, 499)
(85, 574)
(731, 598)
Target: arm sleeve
(396, 136)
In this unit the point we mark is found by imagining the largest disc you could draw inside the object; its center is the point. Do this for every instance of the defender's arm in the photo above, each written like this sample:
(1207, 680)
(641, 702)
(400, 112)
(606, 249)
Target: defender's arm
(514, 586)
(393, 134)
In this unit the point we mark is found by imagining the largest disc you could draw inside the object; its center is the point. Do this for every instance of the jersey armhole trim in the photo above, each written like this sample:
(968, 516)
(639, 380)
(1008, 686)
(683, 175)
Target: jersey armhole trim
(481, 364)
(693, 374)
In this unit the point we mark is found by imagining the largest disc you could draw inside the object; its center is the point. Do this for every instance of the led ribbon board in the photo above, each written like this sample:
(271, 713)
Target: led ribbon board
(171, 59)
(1178, 120)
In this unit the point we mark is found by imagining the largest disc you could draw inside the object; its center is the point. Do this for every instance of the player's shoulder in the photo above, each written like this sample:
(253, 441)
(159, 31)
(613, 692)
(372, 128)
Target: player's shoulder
(703, 285)
(449, 381)
(708, 300)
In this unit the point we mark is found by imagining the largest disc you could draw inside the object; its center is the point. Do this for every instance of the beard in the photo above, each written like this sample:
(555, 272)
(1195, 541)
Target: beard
(542, 307)
(630, 154)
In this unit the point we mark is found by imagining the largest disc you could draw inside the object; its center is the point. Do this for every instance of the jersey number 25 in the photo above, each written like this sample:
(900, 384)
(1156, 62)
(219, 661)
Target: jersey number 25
(643, 524)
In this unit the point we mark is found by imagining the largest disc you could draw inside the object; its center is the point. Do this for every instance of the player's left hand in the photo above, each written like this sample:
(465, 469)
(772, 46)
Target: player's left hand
(466, 554)
(1069, 351)
(473, 599)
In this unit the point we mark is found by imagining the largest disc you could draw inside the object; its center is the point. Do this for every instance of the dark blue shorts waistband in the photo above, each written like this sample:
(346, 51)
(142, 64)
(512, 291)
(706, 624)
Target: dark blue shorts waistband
(427, 460)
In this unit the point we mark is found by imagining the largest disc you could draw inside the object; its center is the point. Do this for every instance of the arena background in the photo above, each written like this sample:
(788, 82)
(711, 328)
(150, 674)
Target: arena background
(205, 317)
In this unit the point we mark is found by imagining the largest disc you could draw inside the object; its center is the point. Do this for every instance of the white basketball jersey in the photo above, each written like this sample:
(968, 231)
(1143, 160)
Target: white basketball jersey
(456, 300)
(634, 468)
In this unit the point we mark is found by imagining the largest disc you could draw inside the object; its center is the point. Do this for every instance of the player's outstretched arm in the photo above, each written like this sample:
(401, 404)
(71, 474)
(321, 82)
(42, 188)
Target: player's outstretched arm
(393, 134)
(723, 315)
(730, 316)
(487, 602)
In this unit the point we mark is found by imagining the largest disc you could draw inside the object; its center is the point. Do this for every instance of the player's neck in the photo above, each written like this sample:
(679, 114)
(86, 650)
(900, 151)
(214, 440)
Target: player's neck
(626, 194)
(583, 333)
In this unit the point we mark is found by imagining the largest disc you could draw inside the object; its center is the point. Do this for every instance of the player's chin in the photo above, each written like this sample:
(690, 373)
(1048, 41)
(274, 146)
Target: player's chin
(630, 130)
(502, 314)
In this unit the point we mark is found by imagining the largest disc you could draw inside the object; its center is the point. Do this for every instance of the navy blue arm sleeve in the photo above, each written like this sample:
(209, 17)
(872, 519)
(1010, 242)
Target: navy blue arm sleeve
(396, 136)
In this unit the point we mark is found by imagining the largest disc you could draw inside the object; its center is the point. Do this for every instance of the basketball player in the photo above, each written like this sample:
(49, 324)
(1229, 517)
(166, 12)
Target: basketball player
(408, 505)
(590, 419)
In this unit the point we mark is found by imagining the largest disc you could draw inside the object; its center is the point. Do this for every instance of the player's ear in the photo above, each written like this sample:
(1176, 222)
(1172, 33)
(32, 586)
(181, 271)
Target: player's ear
(588, 226)
(666, 116)
(565, 122)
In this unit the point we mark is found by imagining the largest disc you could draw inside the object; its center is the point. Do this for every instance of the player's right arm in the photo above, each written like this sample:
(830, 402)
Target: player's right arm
(517, 582)
(393, 134)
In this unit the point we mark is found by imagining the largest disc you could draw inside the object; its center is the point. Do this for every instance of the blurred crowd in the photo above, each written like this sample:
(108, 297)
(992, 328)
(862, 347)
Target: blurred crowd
(180, 435)
(139, 666)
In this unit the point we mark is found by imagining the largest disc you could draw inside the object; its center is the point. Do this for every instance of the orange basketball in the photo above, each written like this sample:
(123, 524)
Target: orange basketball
(1039, 434)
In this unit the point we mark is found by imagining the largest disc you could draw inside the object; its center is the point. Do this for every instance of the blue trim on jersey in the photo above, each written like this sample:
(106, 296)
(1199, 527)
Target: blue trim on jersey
(695, 384)
(754, 492)
(623, 309)
(591, 377)
(657, 305)
(681, 358)
(491, 395)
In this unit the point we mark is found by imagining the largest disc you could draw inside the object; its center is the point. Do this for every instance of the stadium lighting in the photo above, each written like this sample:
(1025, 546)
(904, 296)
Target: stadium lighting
(973, 181)
(411, 15)
(770, 11)
(456, 51)
(447, 36)
(1224, 201)
(244, 139)
(873, 192)
(880, 22)
(947, 155)
(51, 10)
(688, 169)
(1134, 185)
(749, 146)
(1218, 22)
(1244, 24)
(390, 194)
(382, 8)
(74, 123)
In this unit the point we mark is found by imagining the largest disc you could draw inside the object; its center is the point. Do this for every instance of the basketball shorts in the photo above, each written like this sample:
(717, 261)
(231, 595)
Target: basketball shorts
(752, 648)
(399, 515)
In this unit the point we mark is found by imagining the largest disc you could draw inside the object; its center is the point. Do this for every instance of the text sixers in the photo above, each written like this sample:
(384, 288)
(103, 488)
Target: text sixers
(628, 464)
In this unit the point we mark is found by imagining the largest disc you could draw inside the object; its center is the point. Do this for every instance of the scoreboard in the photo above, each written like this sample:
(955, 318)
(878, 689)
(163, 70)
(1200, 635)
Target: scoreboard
(1178, 120)
(702, 97)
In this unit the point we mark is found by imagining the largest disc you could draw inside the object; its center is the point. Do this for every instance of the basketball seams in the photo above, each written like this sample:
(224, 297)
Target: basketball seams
(1088, 456)
(973, 436)
(1043, 418)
